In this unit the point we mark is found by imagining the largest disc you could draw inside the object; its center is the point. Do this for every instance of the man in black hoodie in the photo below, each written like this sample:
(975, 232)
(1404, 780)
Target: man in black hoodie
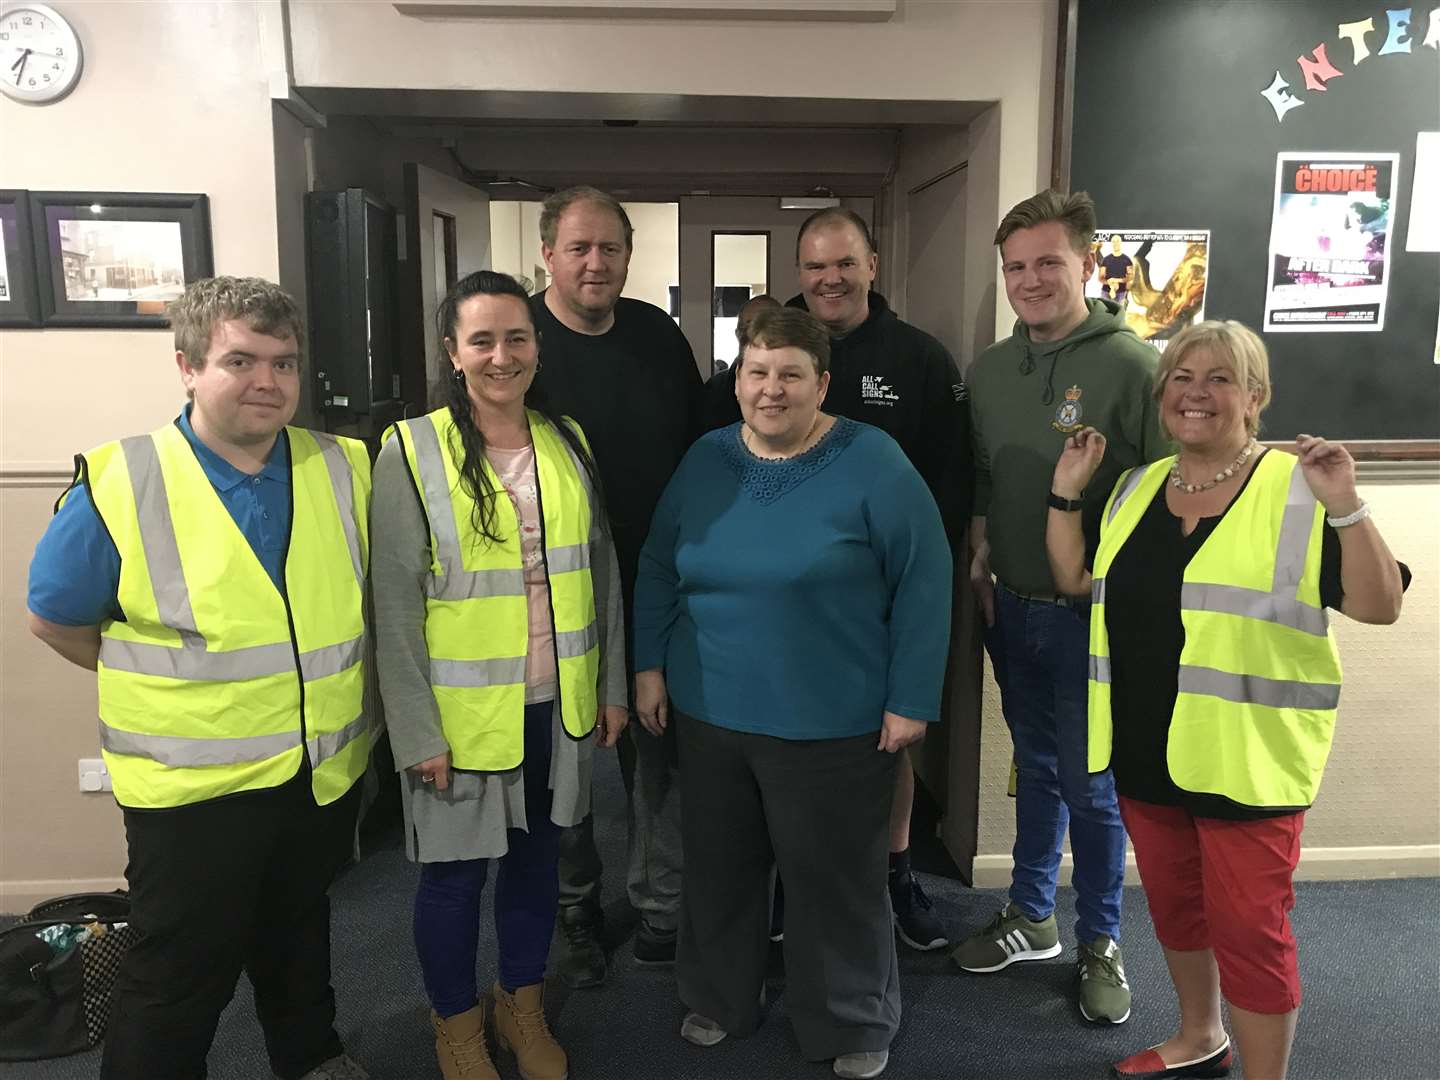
(885, 372)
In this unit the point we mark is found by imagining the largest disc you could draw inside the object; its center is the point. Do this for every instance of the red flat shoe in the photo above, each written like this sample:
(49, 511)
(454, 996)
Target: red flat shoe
(1148, 1065)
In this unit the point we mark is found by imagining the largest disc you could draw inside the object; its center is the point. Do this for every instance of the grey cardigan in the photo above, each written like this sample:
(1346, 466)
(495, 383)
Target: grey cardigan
(468, 820)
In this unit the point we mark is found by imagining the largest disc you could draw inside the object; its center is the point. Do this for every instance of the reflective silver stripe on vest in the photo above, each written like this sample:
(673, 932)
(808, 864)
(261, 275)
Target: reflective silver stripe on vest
(1254, 604)
(567, 557)
(157, 538)
(1294, 542)
(1097, 590)
(342, 480)
(332, 659)
(1127, 486)
(323, 747)
(574, 643)
(473, 674)
(196, 664)
(1281, 604)
(470, 584)
(1099, 668)
(1256, 690)
(256, 662)
(178, 752)
(438, 508)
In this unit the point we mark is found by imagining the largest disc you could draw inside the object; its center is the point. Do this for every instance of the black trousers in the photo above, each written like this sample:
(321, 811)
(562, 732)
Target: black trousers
(820, 812)
(234, 884)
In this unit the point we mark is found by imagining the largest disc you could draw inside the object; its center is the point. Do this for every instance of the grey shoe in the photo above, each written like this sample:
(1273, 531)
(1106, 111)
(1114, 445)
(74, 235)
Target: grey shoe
(862, 1064)
(343, 1067)
(701, 1030)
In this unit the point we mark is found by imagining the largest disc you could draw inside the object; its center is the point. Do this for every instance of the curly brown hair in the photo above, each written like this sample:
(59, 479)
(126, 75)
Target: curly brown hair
(262, 305)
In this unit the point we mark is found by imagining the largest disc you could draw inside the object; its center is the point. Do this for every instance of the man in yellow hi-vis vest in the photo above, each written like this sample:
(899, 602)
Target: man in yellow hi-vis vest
(213, 574)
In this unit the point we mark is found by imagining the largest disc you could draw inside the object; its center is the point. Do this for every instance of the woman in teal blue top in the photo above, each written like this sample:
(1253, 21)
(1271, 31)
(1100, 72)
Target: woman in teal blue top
(793, 601)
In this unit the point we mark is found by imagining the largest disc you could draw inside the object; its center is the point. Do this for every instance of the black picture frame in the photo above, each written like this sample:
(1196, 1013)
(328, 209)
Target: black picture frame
(19, 299)
(131, 274)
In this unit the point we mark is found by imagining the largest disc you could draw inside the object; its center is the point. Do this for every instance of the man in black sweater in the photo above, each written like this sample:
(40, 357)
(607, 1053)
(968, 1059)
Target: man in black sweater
(895, 376)
(621, 368)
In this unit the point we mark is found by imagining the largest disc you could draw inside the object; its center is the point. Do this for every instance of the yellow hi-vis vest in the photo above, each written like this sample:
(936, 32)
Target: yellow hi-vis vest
(1259, 672)
(215, 683)
(476, 612)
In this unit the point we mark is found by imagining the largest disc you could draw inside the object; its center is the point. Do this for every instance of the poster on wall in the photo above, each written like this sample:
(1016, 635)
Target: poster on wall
(1329, 263)
(1157, 276)
(1424, 234)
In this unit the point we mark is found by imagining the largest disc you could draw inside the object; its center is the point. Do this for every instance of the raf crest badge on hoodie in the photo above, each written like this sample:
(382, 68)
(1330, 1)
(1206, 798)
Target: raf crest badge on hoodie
(1067, 416)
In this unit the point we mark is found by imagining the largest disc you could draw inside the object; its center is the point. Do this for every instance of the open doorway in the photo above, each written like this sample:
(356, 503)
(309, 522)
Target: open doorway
(706, 183)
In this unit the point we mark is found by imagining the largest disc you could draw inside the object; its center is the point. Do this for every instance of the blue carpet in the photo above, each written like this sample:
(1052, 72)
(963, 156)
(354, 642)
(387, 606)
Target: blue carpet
(1368, 960)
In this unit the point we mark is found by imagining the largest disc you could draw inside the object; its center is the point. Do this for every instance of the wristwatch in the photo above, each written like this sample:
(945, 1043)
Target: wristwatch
(1059, 503)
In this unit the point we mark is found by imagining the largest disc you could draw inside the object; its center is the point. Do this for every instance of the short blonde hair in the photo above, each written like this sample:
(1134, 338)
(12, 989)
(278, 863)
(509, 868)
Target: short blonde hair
(1233, 342)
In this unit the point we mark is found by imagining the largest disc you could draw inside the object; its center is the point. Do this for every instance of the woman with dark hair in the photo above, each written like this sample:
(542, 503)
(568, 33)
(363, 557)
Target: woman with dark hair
(501, 662)
(794, 601)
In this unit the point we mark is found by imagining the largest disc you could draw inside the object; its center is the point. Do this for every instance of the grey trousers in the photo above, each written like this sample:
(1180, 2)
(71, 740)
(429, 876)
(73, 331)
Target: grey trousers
(650, 769)
(820, 811)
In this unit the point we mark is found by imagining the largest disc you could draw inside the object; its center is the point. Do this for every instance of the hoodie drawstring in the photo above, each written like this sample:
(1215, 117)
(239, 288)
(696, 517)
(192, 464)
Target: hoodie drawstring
(1049, 395)
(1027, 366)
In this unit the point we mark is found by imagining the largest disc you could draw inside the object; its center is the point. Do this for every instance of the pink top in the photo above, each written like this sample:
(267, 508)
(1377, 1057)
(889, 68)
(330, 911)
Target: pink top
(516, 470)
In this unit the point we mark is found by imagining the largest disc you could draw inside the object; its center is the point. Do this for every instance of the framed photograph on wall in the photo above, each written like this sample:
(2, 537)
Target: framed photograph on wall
(117, 259)
(19, 301)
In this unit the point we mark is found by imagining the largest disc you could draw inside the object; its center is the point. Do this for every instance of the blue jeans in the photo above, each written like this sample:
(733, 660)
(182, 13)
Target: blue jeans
(527, 894)
(1041, 655)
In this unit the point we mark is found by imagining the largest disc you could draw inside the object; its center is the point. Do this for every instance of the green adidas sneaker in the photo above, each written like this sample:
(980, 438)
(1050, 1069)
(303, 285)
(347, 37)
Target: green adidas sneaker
(1104, 990)
(1006, 938)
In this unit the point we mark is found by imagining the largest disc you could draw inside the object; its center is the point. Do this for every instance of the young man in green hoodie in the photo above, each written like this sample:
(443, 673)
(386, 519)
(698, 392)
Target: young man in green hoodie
(1070, 363)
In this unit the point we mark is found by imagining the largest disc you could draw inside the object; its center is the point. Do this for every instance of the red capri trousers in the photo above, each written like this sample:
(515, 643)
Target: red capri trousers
(1225, 886)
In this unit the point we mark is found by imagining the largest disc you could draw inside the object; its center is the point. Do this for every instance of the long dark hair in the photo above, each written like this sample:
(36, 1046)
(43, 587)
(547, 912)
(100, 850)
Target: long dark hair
(471, 452)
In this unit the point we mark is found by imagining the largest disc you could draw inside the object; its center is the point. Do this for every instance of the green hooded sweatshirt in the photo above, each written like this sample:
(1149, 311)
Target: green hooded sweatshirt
(1026, 397)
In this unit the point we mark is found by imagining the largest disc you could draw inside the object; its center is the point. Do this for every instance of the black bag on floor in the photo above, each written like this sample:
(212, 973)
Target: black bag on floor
(55, 1005)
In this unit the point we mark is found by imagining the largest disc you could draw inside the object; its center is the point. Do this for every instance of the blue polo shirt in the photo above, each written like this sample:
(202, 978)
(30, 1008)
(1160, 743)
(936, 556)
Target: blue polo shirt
(75, 572)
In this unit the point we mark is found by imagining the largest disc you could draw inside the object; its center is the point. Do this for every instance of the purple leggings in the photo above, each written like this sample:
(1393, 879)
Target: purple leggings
(527, 890)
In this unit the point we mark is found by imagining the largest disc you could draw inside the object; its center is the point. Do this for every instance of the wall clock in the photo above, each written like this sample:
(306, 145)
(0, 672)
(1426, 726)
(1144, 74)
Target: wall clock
(40, 55)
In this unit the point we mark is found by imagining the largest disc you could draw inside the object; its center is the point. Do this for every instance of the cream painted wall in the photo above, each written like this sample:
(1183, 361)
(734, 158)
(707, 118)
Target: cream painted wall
(932, 50)
(199, 122)
(741, 260)
(655, 262)
(505, 250)
(1378, 813)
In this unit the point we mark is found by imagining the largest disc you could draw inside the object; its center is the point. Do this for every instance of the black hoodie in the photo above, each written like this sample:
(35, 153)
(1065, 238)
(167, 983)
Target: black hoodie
(895, 376)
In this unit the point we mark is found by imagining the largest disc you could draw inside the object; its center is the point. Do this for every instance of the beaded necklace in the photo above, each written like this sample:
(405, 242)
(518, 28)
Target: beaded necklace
(1220, 477)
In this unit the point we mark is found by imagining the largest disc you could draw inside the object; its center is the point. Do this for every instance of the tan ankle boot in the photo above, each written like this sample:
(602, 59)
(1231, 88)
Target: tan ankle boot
(460, 1046)
(520, 1028)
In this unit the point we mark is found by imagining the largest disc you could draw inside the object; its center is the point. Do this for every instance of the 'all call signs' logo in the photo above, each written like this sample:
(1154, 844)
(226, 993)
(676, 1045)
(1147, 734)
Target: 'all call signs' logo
(1067, 416)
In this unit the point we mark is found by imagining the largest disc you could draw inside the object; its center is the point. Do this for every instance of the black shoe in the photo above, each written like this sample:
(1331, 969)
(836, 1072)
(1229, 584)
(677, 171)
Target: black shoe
(654, 949)
(580, 962)
(915, 920)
